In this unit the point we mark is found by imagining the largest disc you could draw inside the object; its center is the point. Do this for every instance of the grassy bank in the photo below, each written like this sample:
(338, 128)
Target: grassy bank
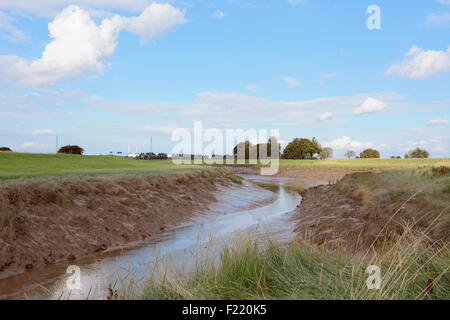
(366, 163)
(262, 269)
(402, 216)
(418, 196)
(25, 165)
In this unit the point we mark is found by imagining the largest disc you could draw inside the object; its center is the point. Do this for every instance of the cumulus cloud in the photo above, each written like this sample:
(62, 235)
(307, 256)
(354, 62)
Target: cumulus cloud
(79, 45)
(9, 31)
(154, 21)
(325, 116)
(369, 106)
(218, 14)
(437, 122)
(291, 82)
(347, 143)
(420, 64)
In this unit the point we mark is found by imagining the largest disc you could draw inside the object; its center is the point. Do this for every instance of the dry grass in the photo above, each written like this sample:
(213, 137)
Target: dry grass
(417, 196)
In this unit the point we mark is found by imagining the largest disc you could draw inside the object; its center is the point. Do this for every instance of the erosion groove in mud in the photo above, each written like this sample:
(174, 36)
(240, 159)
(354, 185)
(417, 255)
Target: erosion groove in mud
(48, 221)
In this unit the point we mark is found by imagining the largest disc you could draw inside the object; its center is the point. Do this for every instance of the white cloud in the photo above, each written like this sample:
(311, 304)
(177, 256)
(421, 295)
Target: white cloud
(157, 129)
(79, 45)
(218, 14)
(49, 8)
(438, 19)
(33, 145)
(234, 109)
(437, 122)
(421, 64)
(435, 144)
(154, 21)
(43, 131)
(291, 82)
(9, 31)
(253, 87)
(369, 106)
(347, 143)
(447, 2)
(325, 116)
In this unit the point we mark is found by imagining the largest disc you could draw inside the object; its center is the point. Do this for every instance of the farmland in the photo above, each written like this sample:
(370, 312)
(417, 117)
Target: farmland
(25, 165)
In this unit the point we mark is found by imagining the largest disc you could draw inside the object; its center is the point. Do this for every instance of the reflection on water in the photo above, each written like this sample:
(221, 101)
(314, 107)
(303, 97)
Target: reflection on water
(246, 208)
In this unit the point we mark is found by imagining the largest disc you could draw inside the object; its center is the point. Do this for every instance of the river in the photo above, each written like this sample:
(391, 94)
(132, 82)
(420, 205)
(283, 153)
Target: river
(246, 209)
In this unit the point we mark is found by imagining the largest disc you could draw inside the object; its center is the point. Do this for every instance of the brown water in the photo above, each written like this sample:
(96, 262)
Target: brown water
(247, 209)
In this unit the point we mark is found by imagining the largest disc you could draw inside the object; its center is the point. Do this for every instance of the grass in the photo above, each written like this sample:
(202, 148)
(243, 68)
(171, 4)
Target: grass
(26, 165)
(367, 163)
(262, 269)
(422, 194)
(410, 248)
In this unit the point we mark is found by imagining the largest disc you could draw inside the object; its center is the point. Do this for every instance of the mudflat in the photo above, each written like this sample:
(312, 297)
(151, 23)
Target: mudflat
(54, 220)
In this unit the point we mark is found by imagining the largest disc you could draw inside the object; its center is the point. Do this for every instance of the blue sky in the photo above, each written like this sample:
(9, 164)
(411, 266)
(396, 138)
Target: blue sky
(107, 75)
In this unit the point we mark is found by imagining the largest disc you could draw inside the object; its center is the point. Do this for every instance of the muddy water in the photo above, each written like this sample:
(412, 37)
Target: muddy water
(245, 209)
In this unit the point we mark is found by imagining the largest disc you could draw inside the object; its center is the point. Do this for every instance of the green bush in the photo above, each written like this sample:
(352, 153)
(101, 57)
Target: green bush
(302, 148)
(418, 153)
(71, 149)
(369, 153)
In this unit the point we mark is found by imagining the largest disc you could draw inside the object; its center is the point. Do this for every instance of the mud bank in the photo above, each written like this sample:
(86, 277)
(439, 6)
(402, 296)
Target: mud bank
(374, 209)
(331, 219)
(67, 219)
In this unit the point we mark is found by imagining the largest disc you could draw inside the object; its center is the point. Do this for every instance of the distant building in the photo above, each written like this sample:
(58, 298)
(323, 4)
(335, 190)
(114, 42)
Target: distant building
(132, 155)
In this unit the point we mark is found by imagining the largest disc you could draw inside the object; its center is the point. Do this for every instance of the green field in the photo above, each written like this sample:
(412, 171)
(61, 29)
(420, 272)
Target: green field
(22, 165)
(25, 165)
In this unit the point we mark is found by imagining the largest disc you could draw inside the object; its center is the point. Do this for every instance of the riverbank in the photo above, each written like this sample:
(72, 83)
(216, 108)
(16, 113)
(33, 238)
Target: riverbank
(261, 269)
(395, 220)
(45, 221)
(368, 208)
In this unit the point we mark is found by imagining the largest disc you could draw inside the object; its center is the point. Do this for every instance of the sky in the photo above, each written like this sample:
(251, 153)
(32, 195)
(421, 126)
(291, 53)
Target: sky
(107, 74)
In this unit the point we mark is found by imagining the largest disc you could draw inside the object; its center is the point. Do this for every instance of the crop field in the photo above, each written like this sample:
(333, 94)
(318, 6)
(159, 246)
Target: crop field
(24, 165)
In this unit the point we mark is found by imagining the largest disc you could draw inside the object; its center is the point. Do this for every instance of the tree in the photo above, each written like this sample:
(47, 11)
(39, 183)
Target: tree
(418, 153)
(369, 153)
(350, 154)
(302, 148)
(5, 149)
(326, 153)
(71, 149)
(268, 146)
(243, 150)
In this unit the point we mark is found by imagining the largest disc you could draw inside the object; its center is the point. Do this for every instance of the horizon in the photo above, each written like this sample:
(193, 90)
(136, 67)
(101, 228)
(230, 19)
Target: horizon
(106, 76)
